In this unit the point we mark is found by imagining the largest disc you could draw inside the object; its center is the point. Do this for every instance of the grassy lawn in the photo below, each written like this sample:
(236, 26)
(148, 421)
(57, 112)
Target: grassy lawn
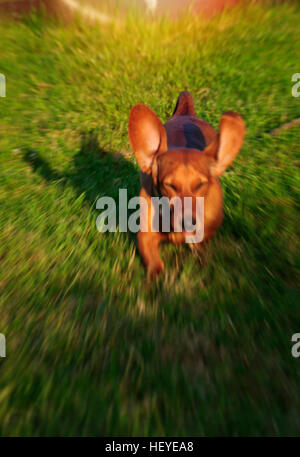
(90, 349)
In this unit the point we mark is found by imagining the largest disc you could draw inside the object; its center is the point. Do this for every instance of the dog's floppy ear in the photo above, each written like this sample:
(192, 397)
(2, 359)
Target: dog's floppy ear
(228, 143)
(147, 136)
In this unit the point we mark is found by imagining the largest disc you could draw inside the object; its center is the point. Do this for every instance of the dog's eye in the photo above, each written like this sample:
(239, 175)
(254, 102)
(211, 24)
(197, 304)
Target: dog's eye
(198, 187)
(171, 186)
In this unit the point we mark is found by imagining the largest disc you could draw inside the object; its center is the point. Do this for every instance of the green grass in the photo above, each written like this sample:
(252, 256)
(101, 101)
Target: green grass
(90, 350)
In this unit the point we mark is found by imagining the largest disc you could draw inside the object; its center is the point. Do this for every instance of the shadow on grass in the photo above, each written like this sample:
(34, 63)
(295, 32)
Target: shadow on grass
(94, 172)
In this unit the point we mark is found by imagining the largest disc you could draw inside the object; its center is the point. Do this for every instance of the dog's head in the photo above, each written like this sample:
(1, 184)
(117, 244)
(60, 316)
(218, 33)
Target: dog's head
(182, 172)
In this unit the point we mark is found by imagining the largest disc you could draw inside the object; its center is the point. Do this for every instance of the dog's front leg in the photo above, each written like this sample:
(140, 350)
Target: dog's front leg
(148, 239)
(148, 244)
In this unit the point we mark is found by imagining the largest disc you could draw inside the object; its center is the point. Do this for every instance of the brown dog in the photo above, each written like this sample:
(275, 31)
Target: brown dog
(182, 158)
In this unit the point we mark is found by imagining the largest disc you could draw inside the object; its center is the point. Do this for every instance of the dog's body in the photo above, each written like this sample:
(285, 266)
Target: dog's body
(183, 158)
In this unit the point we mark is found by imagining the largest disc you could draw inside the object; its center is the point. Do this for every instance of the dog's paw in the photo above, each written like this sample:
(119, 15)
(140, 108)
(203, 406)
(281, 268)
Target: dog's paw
(155, 269)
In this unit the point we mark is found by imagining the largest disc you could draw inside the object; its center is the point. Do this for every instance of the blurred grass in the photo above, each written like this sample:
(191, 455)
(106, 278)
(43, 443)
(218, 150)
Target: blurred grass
(90, 350)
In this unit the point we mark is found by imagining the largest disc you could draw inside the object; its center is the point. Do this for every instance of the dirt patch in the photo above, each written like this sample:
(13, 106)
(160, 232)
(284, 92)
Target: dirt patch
(286, 126)
(207, 8)
(159, 7)
(20, 7)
